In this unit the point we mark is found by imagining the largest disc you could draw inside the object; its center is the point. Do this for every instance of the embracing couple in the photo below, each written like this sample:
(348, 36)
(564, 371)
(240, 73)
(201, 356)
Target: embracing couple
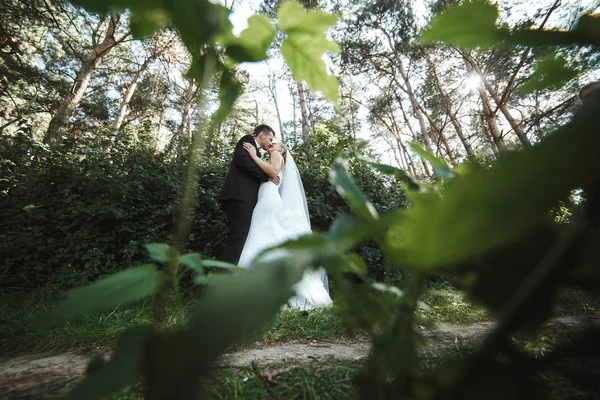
(265, 206)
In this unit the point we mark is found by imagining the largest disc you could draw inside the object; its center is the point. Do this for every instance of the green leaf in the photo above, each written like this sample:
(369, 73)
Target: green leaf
(441, 168)
(396, 173)
(305, 44)
(490, 207)
(354, 264)
(123, 369)
(229, 312)
(293, 17)
(470, 24)
(394, 350)
(348, 189)
(219, 264)
(161, 252)
(253, 42)
(110, 291)
(193, 261)
(229, 90)
(29, 208)
(105, 6)
(203, 280)
(387, 289)
(585, 33)
(203, 65)
(493, 278)
(550, 73)
(342, 226)
(144, 24)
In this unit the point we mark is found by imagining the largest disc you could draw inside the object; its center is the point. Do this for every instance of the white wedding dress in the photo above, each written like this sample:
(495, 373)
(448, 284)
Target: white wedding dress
(279, 217)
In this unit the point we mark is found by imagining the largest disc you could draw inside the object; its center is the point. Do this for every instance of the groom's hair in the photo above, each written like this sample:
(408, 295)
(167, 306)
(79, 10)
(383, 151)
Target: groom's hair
(263, 128)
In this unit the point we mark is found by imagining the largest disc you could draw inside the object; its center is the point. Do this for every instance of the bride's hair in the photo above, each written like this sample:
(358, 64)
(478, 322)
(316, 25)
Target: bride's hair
(284, 152)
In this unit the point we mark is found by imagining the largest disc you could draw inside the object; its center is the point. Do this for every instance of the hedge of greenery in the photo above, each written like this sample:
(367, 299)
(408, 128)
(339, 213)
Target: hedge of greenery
(71, 215)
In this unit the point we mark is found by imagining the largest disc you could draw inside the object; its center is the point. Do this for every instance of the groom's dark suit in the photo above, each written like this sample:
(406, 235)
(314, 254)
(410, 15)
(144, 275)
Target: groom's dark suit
(238, 197)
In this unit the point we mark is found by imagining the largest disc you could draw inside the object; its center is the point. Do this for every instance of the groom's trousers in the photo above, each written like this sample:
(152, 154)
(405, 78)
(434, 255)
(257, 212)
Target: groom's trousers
(239, 216)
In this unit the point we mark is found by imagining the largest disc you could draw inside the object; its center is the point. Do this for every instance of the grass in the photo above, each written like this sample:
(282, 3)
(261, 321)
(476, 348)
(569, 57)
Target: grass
(334, 380)
(20, 332)
(20, 311)
(302, 326)
(316, 381)
(448, 305)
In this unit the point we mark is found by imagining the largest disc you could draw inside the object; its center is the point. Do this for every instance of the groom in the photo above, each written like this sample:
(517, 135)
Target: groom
(240, 190)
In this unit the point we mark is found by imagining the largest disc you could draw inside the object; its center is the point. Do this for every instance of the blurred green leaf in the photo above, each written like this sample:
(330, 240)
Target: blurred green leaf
(493, 278)
(253, 42)
(193, 261)
(396, 173)
(440, 166)
(219, 264)
(145, 23)
(387, 289)
(394, 349)
(110, 291)
(343, 225)
(585, 33)
(161, 252)
(199, 22)
(506, 380)
(550, 73)
(123, 369)
(305, 44)
(354, 264)
(292, 17)
(488, 208)
(348, 189)
(229, 90)
(470, 24)
(203, 64)
(104, 6)
(230, 312)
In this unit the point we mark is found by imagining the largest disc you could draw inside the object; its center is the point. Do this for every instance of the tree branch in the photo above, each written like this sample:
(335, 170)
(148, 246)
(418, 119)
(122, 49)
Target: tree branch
(524, 56)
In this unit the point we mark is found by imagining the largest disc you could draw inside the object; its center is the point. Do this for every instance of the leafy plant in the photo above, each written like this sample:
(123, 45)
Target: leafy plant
(490, 226)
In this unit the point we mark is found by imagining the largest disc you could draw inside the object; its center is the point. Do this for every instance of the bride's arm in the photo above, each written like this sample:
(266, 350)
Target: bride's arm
(270, 168)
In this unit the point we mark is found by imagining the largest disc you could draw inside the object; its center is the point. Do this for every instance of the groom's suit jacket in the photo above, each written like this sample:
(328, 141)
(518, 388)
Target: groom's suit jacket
(244, 176)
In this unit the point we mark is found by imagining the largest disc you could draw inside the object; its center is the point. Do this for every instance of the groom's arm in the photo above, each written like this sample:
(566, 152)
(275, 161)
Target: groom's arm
(244, 162)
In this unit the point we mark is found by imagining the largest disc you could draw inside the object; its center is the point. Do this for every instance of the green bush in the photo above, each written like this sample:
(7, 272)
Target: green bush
(72, 215)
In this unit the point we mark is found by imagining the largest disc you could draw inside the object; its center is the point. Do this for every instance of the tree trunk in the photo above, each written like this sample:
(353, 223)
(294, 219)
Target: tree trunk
(293, 95)
(183, 134)
(409, 91)
(402, 148)
(273, 91)
(124, 106)
(446, 104)
(84, 75)
(501, 104)
(352, 116)
(426, 171)
(487, 111)
(306, 121)
(440, 132)
(415, 105)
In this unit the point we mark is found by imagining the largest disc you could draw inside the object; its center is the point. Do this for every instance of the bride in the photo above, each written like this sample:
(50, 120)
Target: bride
(281, 214)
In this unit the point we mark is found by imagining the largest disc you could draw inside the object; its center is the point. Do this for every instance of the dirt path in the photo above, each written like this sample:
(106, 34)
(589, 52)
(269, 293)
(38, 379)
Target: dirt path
(55, 373)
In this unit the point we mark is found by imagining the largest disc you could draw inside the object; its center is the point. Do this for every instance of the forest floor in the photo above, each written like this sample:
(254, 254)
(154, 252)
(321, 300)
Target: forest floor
(303, 356)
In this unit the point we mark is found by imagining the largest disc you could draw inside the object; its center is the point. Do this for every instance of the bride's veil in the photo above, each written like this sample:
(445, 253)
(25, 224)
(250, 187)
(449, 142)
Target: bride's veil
(292, 193)
(294, 199)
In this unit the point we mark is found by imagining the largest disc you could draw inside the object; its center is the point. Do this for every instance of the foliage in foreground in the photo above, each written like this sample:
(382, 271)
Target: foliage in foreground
(490, 226)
